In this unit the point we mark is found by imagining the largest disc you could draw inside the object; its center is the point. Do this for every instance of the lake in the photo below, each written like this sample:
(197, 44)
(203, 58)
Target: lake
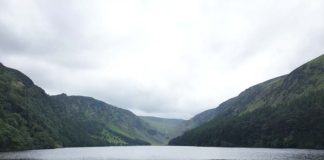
(165, 153)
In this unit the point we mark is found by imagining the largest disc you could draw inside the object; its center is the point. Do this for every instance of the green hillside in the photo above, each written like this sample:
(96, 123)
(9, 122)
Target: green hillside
(91, 120)
(29, 119)
(169, 128)
(287, 111)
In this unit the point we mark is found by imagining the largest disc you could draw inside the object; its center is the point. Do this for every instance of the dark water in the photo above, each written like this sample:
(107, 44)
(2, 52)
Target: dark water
(166, 153)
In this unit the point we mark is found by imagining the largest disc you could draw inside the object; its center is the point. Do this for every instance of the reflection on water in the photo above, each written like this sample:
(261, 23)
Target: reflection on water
(165, 153)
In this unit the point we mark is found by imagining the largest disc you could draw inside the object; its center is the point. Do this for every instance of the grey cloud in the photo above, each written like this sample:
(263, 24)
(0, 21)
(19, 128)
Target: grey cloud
(154, 57)
(9, 41)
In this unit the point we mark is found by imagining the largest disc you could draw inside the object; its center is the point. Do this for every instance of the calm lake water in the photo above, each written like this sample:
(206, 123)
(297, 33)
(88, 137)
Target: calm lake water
(165, 153)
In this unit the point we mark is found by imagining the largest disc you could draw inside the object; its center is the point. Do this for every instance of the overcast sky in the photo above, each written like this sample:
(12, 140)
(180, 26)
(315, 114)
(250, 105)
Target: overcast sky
(169, 58)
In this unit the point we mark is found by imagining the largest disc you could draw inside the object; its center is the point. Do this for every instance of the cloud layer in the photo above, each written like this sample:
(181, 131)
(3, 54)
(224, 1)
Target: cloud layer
(169, 58)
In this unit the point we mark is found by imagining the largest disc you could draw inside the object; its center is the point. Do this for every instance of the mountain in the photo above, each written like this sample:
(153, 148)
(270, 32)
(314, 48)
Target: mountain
(286, 111)
(93, 120)
(25, 113)
(199, 119)
(168, 127)
(30, 119)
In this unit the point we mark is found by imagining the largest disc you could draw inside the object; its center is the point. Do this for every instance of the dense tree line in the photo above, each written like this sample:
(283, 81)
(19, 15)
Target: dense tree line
(294, 124)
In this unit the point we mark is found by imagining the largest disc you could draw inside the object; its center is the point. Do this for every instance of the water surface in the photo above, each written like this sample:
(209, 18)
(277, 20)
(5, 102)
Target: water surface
(165, 153)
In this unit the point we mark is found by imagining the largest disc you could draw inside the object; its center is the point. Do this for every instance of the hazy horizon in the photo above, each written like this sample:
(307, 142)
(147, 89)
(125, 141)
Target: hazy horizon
(171, 59)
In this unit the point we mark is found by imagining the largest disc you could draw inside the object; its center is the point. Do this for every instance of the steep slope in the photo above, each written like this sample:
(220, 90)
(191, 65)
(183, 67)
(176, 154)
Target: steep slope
(26, 115)
(29, 118)
(169, 128)
(287, 111)
(250, 97)
(101, 120)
